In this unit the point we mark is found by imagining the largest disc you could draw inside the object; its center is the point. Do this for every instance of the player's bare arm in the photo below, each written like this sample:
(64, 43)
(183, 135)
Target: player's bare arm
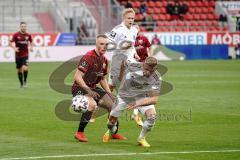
(104, 85)
(143, 102)
(78, 77)
(13, 46)
(30, 46)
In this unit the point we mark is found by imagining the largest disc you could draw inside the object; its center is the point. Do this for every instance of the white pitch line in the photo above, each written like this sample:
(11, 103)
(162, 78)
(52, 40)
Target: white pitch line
(120, 154)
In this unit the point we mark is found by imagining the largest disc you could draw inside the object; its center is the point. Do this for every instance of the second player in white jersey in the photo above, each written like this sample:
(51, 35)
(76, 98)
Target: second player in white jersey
(123, 37)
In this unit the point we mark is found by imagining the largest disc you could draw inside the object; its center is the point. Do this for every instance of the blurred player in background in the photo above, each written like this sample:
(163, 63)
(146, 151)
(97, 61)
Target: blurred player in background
(138, 89)
(142, 46)
(123, 36)
(92, 70)
(144, 50)
(21, 42)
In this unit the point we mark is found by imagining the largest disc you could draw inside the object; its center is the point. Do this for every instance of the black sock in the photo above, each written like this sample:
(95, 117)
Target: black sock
(20, 77)
(25, 74)
(84, 121)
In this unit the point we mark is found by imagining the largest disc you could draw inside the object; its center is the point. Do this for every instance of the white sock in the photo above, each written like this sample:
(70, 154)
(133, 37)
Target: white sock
(135, 112)
(143, 133)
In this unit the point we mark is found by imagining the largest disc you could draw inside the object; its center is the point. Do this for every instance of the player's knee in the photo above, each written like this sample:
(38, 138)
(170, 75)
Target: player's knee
(92, 104)
(150, 122)
(106, 102)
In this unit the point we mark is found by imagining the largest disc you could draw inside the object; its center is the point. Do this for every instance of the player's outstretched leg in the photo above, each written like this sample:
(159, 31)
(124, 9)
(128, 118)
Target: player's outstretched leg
(147, 126)
(79, 135)
(137, 118)
(25, 74)
(107, 103)
(112, 128)
(20, 77)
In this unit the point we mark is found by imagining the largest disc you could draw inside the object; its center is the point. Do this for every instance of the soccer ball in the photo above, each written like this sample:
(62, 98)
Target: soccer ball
(80, 103)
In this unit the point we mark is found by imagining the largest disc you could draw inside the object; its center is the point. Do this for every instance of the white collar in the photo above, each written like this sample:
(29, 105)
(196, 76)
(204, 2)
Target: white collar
(125, 26)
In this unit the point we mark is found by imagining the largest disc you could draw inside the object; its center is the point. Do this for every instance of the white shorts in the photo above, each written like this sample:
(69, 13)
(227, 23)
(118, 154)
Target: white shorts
(113, 80)
(120, 105)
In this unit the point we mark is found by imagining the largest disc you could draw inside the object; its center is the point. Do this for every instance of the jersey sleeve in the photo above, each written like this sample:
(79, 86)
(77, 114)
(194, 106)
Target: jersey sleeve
(14, 37)
(114, 35)
(148, 44)
(84, 64)
(30, 38)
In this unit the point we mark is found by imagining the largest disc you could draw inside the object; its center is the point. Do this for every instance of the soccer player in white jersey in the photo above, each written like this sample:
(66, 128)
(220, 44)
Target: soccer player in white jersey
(138, 89)
(123, 37)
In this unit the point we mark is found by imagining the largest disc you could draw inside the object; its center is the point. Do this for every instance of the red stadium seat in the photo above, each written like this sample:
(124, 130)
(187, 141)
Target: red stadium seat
(210, 10)
(193, 23)
(188, 17)
(199, 4)
(151, 4)
(215, 17)
(212, 3)
(167, 16)
(184, 29)
(163, 10)
(191, 29)
(139, 17)
(156, 10)
(162, 17)
(158, 4)
(192, 4)
(202, 16)
(186, 23)
(150, 10)
(212, 28)
(198, 29)
(208, 23)
(204, 10)
(192, 10)
(205, 3)
(198, 10)
(200, 23)
(196, 17)
(209, 16)
(177, 29)
(180, 23)
(164, 3)
(136, 4)
(161, 23)
(155, 17)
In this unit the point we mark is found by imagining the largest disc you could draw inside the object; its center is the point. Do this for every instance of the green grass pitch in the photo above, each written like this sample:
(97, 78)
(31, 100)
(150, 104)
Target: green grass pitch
(201, 113)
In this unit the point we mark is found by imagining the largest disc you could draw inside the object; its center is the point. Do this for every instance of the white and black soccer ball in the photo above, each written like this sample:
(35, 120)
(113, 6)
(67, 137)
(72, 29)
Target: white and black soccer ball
(80, 103)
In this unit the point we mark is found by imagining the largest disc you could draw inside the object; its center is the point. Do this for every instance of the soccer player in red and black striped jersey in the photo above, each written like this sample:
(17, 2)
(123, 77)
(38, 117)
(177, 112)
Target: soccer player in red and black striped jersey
(92, 70)
(20, 42)
(142, 46)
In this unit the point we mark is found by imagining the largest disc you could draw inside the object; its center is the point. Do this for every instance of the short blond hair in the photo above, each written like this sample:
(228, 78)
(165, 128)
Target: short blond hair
(101, 36)
(128, 10)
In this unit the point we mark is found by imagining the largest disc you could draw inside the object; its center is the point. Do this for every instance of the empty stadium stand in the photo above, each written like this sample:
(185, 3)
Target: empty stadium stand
(201, 16)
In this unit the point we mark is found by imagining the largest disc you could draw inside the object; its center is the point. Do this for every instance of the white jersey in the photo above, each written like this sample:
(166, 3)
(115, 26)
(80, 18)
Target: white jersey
(121, 33)
(118, 35)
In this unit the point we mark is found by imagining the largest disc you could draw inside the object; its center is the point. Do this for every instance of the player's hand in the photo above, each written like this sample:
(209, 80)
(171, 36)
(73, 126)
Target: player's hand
(16, 49)
(92, 93)
(126, 45)
(111, 96)
(136, 56)
(131, 106)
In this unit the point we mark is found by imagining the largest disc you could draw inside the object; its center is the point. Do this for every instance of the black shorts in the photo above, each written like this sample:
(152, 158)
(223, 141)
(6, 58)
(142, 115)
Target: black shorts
(100, 91)
(21, 61)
